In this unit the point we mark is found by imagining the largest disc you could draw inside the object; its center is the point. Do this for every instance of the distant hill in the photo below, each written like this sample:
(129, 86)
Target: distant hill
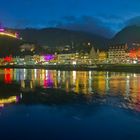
(9, 46)
(12, 46)
(54, 37)
(130, 34)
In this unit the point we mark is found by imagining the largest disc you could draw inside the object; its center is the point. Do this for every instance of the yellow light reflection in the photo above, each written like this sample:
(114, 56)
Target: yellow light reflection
(11, 99)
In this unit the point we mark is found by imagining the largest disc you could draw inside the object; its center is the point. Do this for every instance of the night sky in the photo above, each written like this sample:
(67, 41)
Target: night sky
(105, 17)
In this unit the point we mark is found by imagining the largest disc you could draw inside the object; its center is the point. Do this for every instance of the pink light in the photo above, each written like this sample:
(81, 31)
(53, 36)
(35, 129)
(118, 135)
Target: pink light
(49, 57)
(17, 35)
(2, 30)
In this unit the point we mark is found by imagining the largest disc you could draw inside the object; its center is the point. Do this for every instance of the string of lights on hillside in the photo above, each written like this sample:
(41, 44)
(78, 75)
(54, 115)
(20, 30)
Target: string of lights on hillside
(3, 32)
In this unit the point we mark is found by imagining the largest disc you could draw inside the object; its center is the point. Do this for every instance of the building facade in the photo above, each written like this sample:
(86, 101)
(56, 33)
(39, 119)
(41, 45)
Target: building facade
(118, 54)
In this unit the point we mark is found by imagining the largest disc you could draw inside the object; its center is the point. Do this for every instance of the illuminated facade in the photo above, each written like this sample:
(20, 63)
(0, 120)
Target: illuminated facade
(67, 58)
(102, 57)
(134, 55)
(74, 58)
(27, 47)
(118, 54)
(93, 55)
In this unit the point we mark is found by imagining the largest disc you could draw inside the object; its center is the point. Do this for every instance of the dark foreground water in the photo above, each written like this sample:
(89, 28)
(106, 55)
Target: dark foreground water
(69, 105)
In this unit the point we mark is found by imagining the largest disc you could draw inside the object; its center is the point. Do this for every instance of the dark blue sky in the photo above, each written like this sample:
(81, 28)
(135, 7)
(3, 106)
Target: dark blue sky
(104, 17)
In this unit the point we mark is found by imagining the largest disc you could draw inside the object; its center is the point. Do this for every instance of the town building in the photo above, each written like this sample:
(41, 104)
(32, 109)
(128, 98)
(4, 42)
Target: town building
(118, 54)
(134, 55)
(93, 55)
(102, 57)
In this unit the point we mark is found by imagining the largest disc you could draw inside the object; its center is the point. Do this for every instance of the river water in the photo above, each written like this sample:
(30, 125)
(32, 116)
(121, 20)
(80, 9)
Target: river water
(69, 105)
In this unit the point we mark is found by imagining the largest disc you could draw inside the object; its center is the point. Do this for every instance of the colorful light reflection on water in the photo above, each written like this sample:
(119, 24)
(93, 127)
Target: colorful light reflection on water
(86, 82)
(101, 105)
(77, 81)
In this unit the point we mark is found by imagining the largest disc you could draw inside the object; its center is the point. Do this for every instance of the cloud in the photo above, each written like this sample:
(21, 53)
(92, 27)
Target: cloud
(85, 23)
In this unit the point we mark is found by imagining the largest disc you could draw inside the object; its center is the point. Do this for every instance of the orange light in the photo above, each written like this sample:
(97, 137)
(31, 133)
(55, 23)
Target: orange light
(132, 54)
(8, 34)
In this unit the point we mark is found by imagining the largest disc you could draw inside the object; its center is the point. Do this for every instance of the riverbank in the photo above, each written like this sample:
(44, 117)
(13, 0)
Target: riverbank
(98, 67)
(119, 67)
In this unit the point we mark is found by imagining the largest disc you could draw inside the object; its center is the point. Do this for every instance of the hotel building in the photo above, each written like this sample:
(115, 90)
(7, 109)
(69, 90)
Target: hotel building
(118, 54)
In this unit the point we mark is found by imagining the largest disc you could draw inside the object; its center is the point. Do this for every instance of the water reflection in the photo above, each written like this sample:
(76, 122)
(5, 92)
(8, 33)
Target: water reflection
(78, 81)
(9, 100)
(125, 85)
(96, 102)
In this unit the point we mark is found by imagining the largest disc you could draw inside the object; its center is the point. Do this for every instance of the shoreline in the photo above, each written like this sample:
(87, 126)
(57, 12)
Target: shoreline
(99, 67)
